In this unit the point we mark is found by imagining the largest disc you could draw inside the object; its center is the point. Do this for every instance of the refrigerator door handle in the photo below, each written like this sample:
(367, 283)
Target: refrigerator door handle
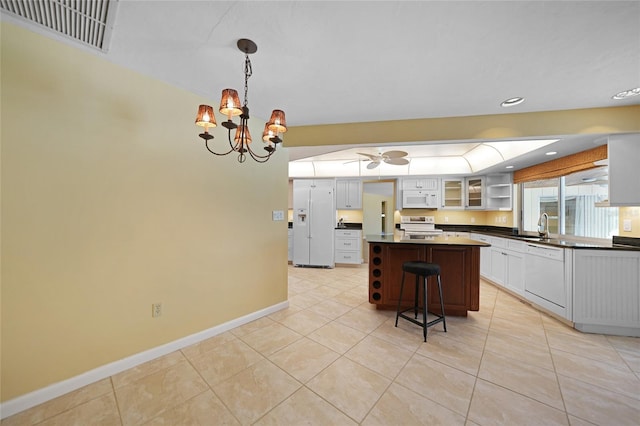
(310, 217)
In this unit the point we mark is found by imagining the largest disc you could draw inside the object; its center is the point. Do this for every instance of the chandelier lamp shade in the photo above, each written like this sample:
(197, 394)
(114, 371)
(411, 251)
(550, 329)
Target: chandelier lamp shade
(231, 107)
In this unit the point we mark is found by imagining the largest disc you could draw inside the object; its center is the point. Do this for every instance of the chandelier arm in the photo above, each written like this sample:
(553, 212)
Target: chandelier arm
(230, 141)
(206, 144)
(259, 158)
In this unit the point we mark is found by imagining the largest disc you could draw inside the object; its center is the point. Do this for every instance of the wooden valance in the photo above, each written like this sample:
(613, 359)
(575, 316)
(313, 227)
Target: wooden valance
(561, 166)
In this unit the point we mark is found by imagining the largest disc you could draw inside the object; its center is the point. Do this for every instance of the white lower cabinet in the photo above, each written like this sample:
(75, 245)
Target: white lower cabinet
(348, 246)
(485, 254)
(540, 274)
(507, 264)
(290, 245)
(515, 267)
(606, 296)
(596, 289)
(498, 260)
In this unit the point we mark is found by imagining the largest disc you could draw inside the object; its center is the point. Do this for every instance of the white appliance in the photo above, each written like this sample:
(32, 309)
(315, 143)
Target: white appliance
(419, 226)
(544, 273)
(314, 220)
(414, 199)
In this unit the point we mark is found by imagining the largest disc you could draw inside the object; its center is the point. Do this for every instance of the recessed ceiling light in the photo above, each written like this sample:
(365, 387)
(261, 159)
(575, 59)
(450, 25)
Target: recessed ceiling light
(627, 93)
(550, 153)
(512, 102)
(509, 167)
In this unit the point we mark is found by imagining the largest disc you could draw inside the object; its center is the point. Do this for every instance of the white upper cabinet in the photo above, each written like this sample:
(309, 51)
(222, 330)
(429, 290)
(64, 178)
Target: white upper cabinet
(426, 184)
(348, 194)
(474, 192)
(452, 193)
(624, 181)
(499, 191)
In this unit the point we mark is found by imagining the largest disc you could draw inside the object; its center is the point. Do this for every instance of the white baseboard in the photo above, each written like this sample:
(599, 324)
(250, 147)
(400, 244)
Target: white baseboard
(31, 399)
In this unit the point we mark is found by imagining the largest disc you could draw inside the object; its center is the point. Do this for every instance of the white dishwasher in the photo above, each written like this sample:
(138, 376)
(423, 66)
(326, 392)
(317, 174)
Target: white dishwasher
(544, 273)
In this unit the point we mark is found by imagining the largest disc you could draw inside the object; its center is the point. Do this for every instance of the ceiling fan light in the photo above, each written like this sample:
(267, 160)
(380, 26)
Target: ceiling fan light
(627, 93)
(205, 117)
(512, 102)
(230, 103)
(278, 122)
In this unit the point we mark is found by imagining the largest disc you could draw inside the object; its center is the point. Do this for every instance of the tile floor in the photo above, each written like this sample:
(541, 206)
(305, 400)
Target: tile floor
(332, 359)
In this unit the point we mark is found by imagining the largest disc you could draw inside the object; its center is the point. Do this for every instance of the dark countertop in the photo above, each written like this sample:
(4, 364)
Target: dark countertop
(563, 243)
(397, 238)
(355, 226)
(617, 243)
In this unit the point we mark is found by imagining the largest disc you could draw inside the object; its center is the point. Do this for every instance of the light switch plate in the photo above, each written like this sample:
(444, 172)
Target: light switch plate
(626, 225)
(277, 215)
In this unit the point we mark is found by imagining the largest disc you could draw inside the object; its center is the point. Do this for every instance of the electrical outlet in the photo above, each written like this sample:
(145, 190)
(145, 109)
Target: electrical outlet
(473, 220)
(156, 310)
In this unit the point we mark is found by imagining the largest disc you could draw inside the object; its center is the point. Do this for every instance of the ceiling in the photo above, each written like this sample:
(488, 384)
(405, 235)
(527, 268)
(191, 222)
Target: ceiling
(328, 62)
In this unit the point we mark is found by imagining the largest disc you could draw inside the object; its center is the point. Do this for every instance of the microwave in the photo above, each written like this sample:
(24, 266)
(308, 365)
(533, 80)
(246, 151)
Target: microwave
(412, 199)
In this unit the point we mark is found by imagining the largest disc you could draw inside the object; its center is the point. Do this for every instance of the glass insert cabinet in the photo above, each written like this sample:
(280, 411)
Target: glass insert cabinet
(461, 193)
(453, 193)
(475, 192)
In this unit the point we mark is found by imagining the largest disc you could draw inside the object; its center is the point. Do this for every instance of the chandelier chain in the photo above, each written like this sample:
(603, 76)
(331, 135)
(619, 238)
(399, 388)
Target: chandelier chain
(247, 73)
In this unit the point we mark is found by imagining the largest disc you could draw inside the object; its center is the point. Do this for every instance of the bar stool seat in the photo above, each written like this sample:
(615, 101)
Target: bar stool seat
(421, 270)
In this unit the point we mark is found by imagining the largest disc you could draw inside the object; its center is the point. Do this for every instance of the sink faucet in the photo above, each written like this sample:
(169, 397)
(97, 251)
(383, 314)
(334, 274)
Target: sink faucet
(543, 226)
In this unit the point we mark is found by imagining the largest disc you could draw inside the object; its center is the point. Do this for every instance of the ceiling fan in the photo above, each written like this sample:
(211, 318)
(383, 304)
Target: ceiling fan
(389, 157)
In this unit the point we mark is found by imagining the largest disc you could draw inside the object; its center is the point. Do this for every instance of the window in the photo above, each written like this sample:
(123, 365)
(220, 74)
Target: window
(541, 196)
(571, 202)
(582, 217)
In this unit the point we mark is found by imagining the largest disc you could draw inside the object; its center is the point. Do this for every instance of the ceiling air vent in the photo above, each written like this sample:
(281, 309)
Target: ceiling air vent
(87, 21)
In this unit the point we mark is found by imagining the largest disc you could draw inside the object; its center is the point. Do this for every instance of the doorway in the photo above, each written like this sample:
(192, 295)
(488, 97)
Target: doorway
(378, 206)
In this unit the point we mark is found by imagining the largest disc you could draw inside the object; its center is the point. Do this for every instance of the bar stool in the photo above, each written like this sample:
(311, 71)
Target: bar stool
(421, 270)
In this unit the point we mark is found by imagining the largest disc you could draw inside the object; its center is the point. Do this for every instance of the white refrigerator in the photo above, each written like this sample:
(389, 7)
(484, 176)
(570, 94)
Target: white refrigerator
(314, 221)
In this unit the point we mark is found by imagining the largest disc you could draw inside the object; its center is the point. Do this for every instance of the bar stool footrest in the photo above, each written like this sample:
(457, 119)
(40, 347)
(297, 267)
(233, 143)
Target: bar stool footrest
(437, 320)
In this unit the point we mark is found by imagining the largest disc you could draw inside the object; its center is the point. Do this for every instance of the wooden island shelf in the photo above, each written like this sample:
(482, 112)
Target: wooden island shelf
(459, 260)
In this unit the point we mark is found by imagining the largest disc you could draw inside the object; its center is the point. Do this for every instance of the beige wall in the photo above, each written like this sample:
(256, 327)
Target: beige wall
(632, 214)
(110, 202)
(496, 126)
(350, 216)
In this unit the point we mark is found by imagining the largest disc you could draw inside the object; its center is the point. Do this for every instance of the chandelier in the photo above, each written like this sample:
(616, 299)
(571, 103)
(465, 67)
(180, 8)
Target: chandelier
(230, 106)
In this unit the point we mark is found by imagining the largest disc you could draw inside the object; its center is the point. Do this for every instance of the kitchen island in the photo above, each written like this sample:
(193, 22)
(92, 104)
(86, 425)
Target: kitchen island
(459, 260)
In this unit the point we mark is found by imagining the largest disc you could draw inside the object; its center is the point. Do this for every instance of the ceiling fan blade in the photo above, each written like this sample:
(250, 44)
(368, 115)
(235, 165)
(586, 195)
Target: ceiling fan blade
(397, 161)
(373, 165)
(395, 154)
(372, 157)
